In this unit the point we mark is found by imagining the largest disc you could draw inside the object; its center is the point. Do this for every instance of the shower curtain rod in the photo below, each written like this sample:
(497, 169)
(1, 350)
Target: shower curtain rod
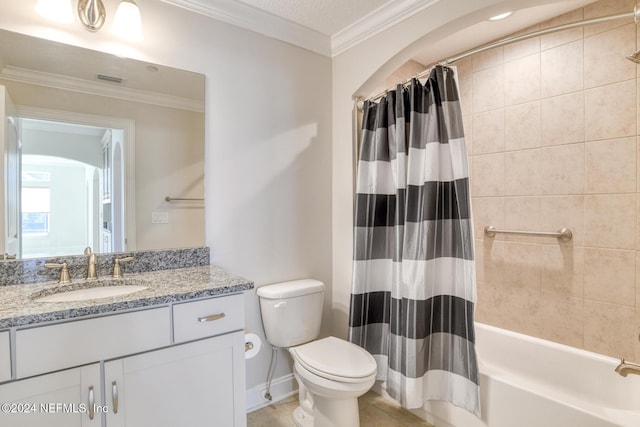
(635, 15)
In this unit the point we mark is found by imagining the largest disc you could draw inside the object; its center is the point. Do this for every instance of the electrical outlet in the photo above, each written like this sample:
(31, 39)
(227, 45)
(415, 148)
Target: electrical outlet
(159, 217)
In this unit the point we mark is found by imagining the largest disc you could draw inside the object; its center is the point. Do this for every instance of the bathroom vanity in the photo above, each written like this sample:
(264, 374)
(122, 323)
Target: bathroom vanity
(170, 354)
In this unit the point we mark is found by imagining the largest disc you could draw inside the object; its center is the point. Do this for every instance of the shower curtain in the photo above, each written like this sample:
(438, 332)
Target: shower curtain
(413, 290)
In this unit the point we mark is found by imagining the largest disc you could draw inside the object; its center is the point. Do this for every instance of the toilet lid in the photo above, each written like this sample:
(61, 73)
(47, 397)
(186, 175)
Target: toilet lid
(333, 357)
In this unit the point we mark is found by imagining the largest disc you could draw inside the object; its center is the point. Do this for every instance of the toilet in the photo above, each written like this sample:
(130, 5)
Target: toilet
(331, 373)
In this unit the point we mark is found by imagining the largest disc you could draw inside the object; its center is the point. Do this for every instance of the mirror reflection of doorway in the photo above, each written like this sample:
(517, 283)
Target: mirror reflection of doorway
(67, 188)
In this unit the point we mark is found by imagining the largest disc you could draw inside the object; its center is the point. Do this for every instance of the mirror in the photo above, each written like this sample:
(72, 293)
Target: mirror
(128, 134)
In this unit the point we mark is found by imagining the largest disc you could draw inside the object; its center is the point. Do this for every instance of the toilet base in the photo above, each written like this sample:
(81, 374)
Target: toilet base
(301, 418)
(336, 412)
(329, 413)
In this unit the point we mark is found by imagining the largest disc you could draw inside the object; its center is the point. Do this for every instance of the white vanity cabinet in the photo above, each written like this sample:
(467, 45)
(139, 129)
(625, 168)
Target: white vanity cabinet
(69, 398)
(5, 357)
(177, 364)
(194, 384)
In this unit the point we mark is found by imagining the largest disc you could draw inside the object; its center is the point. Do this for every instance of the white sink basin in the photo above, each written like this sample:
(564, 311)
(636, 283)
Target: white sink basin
(88, 291)
(91, 293)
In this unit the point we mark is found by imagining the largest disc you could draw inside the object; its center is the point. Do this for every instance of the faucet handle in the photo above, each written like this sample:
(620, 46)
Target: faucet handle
(117, 270)
(64, 272)
(87, 250)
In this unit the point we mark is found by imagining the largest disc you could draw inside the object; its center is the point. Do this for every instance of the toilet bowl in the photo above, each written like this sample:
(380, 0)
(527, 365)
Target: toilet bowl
(331, 372)
(335, 373)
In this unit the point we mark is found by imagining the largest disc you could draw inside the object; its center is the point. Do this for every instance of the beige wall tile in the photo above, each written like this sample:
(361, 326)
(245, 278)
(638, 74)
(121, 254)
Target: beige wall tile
(522, 213)
(562, 270)
(524, 48)
(522, 126)
(610, 221)
(464, 68)
(605, 8)
(466, 95)
(609, 275)
(487, 59)
(562, 119)
(490, 298)
(522, 80)
(563, 291)
(487, 211)
(638, 223)
(564, 212)
(522, 265)
(561, 37)
(638, 280)
(522, 172)
(637, 334)
(488, 132)
(604, 56)
(488, 175)
(488, 89)
(610, 111)
(562, 320)
(562, 169)
(490, 261)
(609, 328)
(611, 166)
(562, 69)
(522, 311)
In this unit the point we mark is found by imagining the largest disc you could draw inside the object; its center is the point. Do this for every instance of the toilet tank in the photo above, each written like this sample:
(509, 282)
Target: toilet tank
(291, 311)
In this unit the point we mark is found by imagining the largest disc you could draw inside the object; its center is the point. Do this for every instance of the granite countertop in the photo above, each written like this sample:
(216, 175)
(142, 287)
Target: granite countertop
(18, 307)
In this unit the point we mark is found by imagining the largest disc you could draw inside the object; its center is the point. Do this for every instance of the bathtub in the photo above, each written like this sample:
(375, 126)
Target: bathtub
(530, 382)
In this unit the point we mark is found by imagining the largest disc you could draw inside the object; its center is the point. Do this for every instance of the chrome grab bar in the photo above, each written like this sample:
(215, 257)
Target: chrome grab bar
(563, 234)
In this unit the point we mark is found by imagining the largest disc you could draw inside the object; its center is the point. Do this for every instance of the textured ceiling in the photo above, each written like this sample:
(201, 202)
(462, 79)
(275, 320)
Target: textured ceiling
(325, 16)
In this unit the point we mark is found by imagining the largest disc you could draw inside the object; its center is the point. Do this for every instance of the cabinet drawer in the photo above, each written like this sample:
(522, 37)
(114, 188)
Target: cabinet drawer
(50, 348)
(215, 316)
(5, 357)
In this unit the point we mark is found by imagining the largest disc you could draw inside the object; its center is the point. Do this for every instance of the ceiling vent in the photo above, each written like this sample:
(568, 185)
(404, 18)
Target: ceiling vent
(110, 79)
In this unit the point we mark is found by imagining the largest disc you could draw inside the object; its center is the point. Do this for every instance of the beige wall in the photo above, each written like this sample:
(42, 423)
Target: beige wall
(552, 132)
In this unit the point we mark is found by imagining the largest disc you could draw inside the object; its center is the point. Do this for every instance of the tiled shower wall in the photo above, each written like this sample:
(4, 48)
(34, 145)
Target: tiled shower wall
(552, 132)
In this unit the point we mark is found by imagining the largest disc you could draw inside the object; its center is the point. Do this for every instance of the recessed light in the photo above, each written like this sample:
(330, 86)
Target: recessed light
(501, 16)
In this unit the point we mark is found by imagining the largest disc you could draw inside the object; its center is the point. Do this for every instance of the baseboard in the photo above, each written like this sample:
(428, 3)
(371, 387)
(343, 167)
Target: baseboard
(281, 388)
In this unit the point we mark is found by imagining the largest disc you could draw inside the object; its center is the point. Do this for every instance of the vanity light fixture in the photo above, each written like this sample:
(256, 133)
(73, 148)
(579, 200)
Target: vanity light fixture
(55, 10)
(93, 14)
(500, 16)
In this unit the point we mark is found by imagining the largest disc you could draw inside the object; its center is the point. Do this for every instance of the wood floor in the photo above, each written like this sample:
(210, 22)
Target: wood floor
(375, 411)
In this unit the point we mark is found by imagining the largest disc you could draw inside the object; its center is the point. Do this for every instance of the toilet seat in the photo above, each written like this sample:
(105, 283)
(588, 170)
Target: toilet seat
(335, 359)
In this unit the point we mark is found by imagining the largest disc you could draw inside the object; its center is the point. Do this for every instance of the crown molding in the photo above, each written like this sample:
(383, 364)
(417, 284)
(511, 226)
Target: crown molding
(376, 22)
(22, 75)
(250, 18)
(262, 22)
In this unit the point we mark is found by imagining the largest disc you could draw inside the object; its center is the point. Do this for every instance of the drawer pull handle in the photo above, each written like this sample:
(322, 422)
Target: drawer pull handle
(114, 396)
(211, 318)
(92, 401)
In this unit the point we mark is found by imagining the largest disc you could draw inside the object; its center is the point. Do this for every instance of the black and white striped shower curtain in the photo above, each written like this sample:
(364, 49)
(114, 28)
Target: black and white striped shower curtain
(413, 290)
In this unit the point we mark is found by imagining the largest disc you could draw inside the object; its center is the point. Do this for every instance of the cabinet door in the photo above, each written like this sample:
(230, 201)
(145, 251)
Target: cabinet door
(61, 399)
(197, 384)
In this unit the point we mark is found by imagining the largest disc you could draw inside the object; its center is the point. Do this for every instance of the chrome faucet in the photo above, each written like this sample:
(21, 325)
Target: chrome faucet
(625, 368)
(92, 273)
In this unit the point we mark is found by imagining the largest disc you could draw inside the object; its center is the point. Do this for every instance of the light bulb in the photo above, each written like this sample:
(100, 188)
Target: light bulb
(127, 22)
